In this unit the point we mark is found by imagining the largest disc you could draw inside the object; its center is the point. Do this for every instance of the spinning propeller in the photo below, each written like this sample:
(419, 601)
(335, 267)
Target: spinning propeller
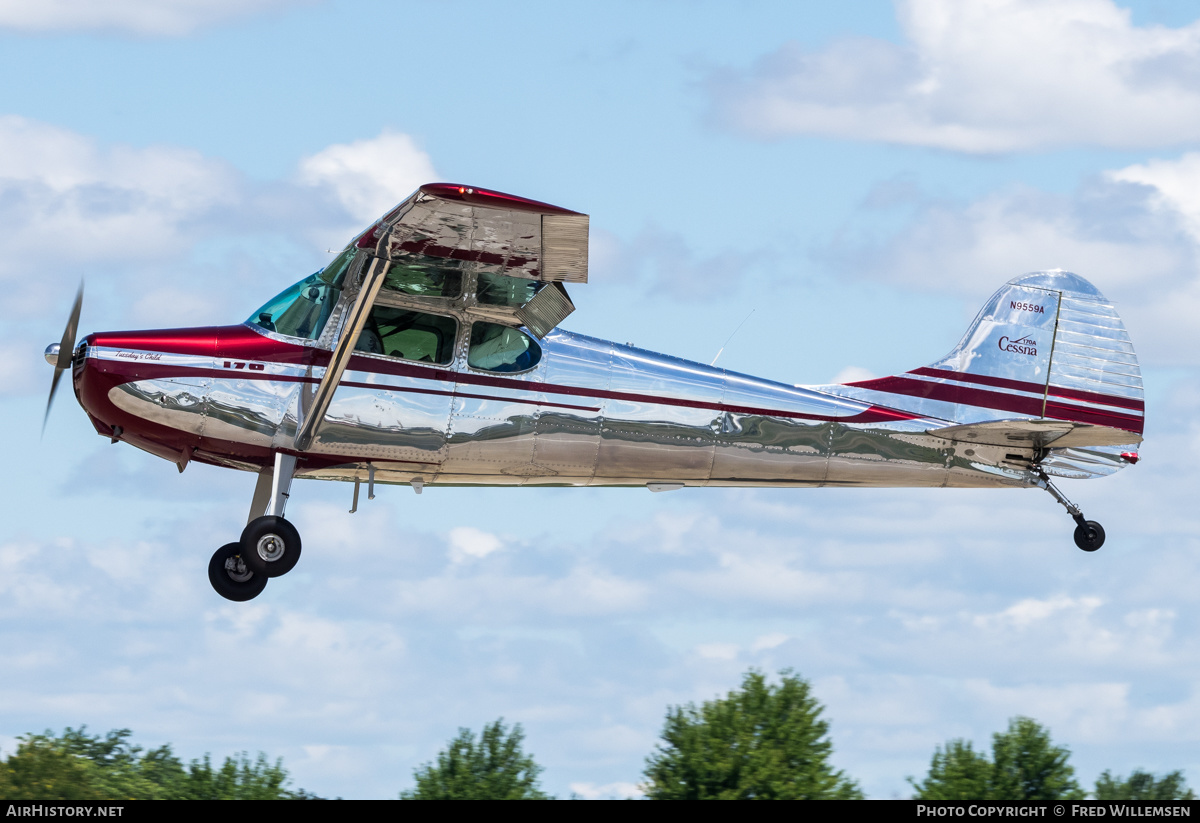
(59, 354)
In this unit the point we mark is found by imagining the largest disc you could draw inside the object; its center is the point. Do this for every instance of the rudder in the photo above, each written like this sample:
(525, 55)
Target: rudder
(1046, 346)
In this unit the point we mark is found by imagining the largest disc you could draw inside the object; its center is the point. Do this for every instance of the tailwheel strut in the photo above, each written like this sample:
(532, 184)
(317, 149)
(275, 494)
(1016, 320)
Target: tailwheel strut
(1089, 535)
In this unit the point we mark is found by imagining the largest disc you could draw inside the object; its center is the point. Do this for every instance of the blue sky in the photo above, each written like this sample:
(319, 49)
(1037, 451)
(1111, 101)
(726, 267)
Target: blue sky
(860, 177)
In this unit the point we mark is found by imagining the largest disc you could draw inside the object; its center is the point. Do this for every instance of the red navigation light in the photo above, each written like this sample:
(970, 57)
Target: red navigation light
(1129, 457)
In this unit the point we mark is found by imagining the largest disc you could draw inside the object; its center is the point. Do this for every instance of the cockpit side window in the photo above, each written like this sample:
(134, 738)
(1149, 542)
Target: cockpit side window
(301, 310)
(411, 335)
(499, 348)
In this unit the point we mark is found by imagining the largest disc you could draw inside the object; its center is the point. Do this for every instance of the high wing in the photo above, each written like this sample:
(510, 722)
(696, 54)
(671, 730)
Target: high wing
(487, 230)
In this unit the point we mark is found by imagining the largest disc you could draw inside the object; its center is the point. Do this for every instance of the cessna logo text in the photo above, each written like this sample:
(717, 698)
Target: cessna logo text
(1026, 346)
(1033, 307)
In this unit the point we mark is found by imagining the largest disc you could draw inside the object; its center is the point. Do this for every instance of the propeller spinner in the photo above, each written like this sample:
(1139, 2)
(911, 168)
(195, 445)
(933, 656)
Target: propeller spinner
(59, 354)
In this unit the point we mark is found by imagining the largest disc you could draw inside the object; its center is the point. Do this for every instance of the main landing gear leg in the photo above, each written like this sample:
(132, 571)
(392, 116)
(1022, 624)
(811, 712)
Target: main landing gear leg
(269, 546)
(1089, 535)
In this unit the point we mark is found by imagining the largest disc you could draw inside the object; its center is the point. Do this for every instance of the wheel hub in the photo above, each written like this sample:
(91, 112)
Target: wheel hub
(236, 569)
(270, 547)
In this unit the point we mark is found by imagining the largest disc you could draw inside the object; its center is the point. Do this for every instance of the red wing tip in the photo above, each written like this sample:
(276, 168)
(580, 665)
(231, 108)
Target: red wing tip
(487, 197)
(1130, 457)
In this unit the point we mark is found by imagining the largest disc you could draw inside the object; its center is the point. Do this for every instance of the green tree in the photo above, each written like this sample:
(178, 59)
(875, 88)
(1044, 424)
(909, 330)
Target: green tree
(1024, 765)
(1143, 786)
(957, 773)
(76, 766)
(494, 767)
(759, 742)
(239, 778)
(80, 766)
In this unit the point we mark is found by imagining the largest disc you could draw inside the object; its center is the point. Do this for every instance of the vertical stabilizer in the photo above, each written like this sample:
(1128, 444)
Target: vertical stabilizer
(1046, 346)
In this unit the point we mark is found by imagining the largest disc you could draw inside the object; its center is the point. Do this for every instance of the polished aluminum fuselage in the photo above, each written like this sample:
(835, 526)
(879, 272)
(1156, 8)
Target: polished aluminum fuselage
(591, 412)
(1044, 381)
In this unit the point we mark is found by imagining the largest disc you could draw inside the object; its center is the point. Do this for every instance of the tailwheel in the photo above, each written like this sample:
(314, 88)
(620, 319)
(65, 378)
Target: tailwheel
(1089, 535)
(231, 578)
(270, 546)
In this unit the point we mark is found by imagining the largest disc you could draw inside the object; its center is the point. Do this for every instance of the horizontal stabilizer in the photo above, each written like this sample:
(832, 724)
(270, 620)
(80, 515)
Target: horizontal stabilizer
(1059, 434)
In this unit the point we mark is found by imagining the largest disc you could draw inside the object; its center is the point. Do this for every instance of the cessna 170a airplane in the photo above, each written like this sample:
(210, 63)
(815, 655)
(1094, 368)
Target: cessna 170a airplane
(428, 353)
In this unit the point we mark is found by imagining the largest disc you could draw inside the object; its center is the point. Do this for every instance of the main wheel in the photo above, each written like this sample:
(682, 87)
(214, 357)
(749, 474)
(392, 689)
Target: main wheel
(1089, 537)
(229, 576)
(270, 545)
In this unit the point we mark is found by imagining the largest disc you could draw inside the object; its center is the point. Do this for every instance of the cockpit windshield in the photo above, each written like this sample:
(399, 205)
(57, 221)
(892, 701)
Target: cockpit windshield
(302, 310)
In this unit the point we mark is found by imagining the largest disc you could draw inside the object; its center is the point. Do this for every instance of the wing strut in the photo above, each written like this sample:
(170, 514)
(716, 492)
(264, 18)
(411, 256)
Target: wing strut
(312, 416)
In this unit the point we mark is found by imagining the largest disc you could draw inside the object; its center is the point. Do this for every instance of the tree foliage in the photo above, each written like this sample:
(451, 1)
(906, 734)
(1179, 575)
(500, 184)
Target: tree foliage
(758, 742)
(80, 766)
(494, 767)
(1143, 786)
(956, 773)
(1024, 765)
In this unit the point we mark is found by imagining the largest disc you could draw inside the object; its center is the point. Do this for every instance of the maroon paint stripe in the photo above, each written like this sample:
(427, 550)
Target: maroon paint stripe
(1096, 397)
(981, 379)
(980, 398)
(252, 346)
(153, 370)
(231, 342)
(872, 414)
(1036, 388)
(1097, 417)
(491, 199)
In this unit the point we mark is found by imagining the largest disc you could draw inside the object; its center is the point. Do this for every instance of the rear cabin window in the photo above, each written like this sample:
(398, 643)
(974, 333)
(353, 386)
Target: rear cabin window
(409, 335)
(499, 348)
(502, 290)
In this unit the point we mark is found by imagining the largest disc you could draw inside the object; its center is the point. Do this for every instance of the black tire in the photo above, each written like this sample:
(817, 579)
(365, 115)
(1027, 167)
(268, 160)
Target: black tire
(229, 576)
(270, 546)
(1090, 537)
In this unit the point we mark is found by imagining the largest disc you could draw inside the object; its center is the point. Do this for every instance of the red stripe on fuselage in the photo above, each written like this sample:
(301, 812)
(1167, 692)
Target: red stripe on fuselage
(981, 398)
(1022, 385)
(241, 343)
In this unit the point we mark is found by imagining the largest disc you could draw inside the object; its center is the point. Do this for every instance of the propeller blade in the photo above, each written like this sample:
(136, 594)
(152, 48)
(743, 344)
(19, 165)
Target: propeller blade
(67, 347)
(65, 350)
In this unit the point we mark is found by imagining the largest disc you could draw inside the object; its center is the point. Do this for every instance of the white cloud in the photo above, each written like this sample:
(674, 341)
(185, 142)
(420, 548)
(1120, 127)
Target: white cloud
(664, 263)
(21, 369)
(1176, 185)
(606, 791)
(1030, 611)
(769, 641)
(141, 17)
(468, 543)
(60, 190)
(1134, 232)
(165, 235)
(718, 651)
(988, 76)
(1098, 707)
(370, 176)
